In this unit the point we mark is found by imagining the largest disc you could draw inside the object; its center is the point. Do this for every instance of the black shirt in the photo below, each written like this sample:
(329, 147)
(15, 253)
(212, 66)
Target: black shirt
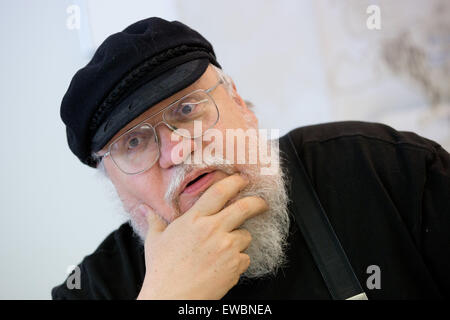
(386, 194)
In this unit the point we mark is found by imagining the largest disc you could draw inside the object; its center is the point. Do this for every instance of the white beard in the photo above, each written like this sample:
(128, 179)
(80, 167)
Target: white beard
(269, 230)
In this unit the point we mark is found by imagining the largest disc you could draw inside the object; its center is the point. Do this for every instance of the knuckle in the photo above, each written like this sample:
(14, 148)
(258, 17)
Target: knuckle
(226, 243)
(248, 236)
(245, 235)
(235, 263)
(246, 260)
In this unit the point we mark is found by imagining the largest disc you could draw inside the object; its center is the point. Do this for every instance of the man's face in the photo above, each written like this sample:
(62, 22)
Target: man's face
(151, 187)
(163, 187)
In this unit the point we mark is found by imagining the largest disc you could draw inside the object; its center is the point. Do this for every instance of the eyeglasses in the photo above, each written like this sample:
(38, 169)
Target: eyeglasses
(138, 149)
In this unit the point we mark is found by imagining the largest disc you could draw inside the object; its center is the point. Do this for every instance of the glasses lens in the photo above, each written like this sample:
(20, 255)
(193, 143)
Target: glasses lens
(197, 108)
(137, 150)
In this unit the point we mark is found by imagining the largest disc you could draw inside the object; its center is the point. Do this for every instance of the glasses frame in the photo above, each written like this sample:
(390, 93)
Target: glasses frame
(153, 127)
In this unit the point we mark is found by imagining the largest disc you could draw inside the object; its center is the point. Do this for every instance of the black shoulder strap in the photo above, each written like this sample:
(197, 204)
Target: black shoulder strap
(319, 235)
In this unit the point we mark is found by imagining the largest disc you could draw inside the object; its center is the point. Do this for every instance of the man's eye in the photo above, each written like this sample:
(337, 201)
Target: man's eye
(133, 143)
(187, 108)
(190, 109)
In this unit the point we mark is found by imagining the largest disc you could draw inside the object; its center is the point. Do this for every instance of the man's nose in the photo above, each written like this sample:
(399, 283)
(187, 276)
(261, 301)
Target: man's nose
(173, 151)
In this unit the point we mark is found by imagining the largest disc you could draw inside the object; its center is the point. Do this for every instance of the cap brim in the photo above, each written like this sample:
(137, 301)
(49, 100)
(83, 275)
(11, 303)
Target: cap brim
(146, 96)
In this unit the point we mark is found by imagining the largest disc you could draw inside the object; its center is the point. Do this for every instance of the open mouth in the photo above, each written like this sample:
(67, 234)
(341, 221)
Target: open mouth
(198, 182)
(196, 179)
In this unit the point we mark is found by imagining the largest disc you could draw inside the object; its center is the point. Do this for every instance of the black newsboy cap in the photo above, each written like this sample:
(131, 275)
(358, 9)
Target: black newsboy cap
(132, 70)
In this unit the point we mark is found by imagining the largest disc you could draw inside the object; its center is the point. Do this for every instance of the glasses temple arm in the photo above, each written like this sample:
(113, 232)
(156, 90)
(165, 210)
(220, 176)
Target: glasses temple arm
(215, 86)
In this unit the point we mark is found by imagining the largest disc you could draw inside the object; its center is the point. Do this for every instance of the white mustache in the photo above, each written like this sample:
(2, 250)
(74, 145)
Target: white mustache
(182, 170)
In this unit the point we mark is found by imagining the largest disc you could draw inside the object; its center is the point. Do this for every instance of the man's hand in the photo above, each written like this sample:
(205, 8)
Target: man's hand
(199, 255)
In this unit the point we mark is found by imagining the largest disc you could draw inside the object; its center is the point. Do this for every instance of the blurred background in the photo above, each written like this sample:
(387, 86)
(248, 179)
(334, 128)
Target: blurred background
(299, 63)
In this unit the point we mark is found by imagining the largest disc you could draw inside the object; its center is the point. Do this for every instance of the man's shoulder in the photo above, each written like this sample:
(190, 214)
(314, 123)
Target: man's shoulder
(346, 132)
(384, 191)
(355, 149)
(114, 269)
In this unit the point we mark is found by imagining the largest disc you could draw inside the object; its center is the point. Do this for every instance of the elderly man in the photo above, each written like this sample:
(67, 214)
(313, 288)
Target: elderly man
(343, 208)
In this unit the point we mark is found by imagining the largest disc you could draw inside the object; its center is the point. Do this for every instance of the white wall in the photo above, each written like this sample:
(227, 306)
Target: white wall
(281, 54)
(53, 211)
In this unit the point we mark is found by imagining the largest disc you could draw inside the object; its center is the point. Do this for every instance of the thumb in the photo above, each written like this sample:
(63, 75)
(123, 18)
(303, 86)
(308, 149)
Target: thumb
(156, 224)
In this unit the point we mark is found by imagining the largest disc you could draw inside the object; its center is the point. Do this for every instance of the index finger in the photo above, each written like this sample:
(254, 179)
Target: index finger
(213, 200)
